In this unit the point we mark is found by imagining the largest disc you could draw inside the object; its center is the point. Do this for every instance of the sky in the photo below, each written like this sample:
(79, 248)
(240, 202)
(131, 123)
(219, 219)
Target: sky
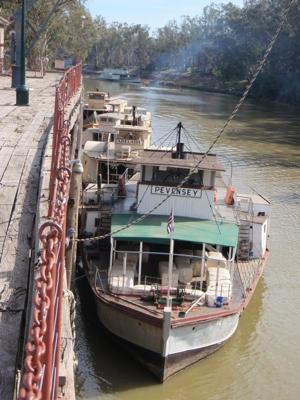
(154, 13)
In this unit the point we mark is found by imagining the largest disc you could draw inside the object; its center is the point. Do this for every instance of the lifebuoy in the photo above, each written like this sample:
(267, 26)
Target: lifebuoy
(229, 199)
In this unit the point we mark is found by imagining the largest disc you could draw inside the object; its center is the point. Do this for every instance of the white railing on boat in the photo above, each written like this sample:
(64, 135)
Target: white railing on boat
(122, 275)
(230, 264)
(153, 289)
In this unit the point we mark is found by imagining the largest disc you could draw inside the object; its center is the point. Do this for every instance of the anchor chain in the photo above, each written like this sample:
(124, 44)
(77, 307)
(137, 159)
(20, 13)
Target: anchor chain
(41, 363)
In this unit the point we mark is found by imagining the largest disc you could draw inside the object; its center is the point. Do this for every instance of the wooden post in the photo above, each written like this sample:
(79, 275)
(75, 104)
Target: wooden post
(124, 268)
(114, 250)
(232, 262)
(229, 260)
(111, 258)
(140, 262)
(166, 329)
(107, 156)
(72, 222)
(74, 141)
(202, 266)
(217, 279)
(74, 197)
(170, 272)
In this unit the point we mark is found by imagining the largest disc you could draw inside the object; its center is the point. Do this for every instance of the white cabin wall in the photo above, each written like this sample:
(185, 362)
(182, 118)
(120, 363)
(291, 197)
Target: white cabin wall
(88, 135)
(264, 236)
(90, 169)
(148, 173)
(207, 178)
(90, 221)
(260, 236)
(94, 104)
(147, 139)
(90, 195)
(108, 127)
(261, 207)
(197, 207)
(120, 107)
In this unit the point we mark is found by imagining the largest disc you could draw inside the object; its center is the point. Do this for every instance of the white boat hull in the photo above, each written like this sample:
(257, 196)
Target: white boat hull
(166, 351)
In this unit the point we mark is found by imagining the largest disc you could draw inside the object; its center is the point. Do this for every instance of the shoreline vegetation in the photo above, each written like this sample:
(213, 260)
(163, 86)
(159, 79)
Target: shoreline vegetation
(199, 83)
(195, 81)
(217, 50)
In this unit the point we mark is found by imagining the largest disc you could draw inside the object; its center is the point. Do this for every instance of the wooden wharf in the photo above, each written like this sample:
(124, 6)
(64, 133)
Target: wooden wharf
(25, 148)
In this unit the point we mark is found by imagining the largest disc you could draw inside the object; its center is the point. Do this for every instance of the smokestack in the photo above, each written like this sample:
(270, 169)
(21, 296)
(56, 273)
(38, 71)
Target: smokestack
(134, 122)
(179, 152)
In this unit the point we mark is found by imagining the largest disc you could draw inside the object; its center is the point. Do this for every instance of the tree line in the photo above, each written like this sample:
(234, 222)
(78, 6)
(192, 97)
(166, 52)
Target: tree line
(69, 31)
(224, 43)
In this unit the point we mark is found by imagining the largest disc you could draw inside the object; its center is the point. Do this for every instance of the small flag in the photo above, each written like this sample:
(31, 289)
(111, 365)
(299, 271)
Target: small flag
(170, 225)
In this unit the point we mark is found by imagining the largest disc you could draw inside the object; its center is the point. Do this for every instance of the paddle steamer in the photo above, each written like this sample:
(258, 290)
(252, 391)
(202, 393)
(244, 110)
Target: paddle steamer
(184, 254)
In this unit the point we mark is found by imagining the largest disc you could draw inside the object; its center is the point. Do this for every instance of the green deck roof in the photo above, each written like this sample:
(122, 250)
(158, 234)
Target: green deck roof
(153, 229)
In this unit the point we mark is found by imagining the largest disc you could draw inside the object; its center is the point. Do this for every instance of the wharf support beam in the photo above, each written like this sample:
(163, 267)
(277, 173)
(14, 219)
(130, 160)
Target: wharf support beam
(74, 200)
(72, 225)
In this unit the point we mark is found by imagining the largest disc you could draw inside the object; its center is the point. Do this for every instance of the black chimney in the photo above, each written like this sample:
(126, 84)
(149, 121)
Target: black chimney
(179, 153)
(134, 121)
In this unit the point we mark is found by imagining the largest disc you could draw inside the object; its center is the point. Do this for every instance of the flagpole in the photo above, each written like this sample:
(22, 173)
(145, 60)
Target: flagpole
(171, 255)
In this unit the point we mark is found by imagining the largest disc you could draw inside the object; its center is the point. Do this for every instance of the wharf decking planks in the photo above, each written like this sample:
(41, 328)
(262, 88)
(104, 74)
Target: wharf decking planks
(23, 132)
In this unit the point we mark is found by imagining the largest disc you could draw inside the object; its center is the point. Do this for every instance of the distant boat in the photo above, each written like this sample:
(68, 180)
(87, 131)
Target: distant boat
(96, 102)
(119, 75)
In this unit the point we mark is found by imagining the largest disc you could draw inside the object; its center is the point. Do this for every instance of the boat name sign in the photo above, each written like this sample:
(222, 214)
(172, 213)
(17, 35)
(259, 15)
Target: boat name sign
(182, 192)
(129, 141)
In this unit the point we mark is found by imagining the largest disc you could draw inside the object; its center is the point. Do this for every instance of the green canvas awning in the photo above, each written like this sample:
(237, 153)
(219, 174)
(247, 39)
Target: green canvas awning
(153, 229)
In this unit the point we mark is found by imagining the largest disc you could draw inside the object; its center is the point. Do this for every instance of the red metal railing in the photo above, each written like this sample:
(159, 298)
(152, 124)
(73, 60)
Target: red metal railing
(42, 351)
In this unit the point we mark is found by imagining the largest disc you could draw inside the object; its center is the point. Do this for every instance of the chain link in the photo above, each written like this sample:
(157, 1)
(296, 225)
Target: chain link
(39, 347)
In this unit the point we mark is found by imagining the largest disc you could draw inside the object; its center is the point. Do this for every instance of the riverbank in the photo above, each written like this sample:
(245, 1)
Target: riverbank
(199, 82)
(196, 81)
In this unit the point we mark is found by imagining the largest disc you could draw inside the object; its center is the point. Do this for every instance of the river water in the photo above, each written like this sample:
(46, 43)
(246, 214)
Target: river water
(262, 360)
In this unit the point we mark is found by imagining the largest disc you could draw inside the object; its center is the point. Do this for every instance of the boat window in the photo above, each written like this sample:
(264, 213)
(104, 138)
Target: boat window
(97, 222)
(175, 176)
(96, 96)
(95, 136)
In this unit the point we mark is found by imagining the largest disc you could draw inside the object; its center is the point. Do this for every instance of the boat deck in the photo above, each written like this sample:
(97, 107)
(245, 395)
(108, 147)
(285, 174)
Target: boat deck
(245, 277)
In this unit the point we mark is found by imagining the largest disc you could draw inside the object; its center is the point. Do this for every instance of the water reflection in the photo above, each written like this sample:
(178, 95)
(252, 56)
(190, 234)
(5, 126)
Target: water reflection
(106, 372)
(103, 367)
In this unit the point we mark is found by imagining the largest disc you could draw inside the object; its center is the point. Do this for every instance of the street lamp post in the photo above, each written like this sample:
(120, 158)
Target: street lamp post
(22, 93)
